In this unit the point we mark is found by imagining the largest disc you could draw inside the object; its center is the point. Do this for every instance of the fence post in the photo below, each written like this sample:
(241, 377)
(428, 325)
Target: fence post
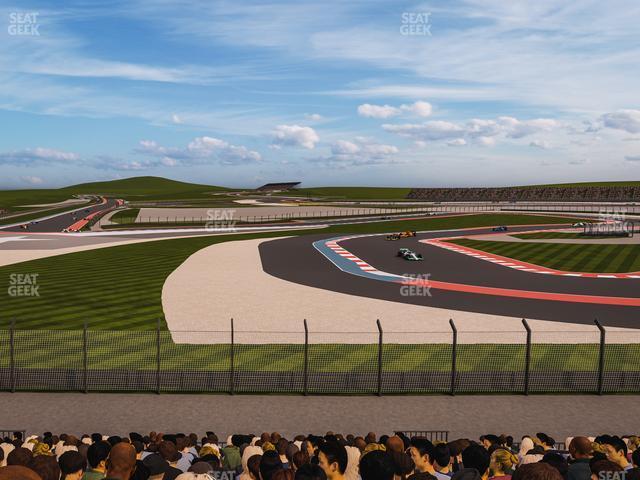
(379, 357)
(12, 360)
(158, 357)
(454, 357)
(603, 334)
(305, 378)
(85, 361)
(527, 357)
(232, 372)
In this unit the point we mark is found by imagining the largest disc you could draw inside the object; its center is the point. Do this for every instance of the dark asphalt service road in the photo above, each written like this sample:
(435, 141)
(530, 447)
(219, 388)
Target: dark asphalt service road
(295, 259)
(63, 220)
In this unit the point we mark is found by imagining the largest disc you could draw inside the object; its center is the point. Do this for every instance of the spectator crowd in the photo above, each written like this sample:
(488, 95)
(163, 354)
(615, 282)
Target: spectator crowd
(332, 456)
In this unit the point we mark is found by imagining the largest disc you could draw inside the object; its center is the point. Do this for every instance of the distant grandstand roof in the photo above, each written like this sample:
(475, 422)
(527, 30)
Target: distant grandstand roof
(278, 187)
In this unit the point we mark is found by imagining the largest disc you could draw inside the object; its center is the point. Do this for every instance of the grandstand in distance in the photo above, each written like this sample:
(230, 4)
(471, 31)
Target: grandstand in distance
(278, 187)
(529, 194)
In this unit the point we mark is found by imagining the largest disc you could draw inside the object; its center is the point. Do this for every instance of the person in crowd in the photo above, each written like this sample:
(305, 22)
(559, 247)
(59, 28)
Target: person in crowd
(283, 474)
(333, 459)
(249, 452)
(309, 471)
(170, 454)
(477, 457)
(253, 467)
(20, 456)
(121, 462)
(616, 451)
(580, 451)
(18, 472)
(281, 448)
(441, 461)
(231, 458)
(531, 450)
(489, 441)
(72, 465)
(45, 466)
(601, 469)
(97, 455)
(557, 461)
(502, 464)
(376, 465)
(536, 471)
(269, 464)
(421, 452)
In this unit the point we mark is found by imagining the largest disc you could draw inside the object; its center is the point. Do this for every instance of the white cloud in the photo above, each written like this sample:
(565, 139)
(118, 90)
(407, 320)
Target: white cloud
(485, 141)
(627, 120)
(199, 150)
(457, 142)
(314, 117)
(176, 119)
(360, 151)
(37, 155)
(419, 108)
(295, 136)
(377, 111)
(482, 131)
(32, 180)
(431, 130)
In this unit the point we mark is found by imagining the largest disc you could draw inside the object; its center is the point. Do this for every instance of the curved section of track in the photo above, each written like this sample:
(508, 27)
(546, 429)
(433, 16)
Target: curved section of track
(368, 266)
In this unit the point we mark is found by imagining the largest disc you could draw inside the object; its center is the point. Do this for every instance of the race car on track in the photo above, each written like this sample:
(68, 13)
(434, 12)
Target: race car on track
(398, 236)
(501, 228)
(409, 255)
(579, 224)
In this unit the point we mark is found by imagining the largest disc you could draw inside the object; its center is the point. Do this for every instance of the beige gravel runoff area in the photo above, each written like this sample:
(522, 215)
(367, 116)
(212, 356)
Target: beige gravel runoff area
(226, 280)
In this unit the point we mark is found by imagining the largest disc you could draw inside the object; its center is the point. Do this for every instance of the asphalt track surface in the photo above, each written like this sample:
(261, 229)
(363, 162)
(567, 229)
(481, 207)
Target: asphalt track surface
(63, 220)
(295, 259)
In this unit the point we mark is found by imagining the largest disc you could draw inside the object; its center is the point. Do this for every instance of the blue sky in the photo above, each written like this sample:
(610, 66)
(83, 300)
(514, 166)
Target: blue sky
(392, 93)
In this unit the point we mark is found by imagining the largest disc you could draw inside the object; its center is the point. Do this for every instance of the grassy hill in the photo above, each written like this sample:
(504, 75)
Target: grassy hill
(135, 188)
(145, 187)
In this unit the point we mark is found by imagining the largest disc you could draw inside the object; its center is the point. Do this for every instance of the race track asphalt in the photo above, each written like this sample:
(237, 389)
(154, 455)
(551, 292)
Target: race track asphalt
(296, 260)
(63, 220)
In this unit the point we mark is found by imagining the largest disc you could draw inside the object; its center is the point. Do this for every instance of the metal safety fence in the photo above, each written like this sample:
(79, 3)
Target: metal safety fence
(377, 363)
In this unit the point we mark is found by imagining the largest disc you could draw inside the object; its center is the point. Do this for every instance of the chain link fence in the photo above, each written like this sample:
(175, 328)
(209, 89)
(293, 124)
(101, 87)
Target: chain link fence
(376, 363)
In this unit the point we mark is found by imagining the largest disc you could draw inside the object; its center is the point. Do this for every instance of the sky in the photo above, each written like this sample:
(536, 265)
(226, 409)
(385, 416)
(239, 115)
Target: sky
(380, 93)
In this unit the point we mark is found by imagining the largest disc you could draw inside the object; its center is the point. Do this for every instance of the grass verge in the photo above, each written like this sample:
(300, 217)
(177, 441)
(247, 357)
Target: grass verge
(572, 257)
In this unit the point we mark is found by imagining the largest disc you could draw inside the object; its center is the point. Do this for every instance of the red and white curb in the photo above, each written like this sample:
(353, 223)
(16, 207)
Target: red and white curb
(361, 264)
(520, 265)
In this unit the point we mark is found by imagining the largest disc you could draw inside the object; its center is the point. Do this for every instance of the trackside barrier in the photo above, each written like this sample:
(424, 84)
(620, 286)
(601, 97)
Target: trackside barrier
(306, 362)
(431, 435)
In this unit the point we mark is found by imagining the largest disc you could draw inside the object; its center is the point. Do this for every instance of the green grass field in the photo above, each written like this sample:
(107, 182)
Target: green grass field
(552, 235)
(125, 216)
(579, 257)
